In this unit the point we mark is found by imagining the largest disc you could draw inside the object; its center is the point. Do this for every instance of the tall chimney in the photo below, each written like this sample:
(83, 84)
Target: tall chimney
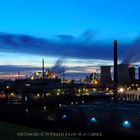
(115, 68)
(43, 69)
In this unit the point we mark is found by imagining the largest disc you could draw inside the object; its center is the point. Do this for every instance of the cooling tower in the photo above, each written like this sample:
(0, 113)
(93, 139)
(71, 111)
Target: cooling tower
(105, 75)
(139, 73)
(132, 74)
(123, 74)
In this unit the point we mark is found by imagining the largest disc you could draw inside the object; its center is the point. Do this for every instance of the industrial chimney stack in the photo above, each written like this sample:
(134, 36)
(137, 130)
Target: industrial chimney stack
(43, 74)
(115, 67)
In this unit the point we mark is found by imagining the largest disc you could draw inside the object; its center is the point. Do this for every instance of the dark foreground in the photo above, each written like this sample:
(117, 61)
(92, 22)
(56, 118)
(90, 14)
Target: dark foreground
(96, 117)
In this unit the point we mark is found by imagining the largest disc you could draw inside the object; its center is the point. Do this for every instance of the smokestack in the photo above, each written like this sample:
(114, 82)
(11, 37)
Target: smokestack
(115, 67)
(43, 69)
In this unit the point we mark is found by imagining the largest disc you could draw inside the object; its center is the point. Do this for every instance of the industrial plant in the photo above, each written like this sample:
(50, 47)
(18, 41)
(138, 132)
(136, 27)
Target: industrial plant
(86, 105)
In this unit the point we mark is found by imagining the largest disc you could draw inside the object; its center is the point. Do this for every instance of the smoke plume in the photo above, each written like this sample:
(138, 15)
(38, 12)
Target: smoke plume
(133, 52)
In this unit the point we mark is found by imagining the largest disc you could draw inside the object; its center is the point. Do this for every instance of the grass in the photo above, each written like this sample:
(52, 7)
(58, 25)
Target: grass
(10, 132)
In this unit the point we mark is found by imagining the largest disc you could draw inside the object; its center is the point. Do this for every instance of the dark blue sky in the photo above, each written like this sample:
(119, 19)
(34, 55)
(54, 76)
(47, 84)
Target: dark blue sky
(78, 30)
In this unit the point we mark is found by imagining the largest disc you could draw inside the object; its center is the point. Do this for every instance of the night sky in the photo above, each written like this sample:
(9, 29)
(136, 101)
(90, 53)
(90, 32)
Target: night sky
(79, 32)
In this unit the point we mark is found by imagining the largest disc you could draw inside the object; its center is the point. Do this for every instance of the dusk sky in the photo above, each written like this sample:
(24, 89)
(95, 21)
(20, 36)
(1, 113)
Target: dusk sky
(79, 31)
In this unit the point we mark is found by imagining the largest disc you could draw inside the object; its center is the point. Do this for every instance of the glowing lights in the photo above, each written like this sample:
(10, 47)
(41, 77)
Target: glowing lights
(26, 98)
(83, 102)
(87, 94)
(95, 82)
(26, 110)
(94, 89)
(58, 90)
(57, 93)
(137, 85)
(121, 90)
(32, 78)
(64, 116)
(7, 87)
(93, 120)
(2, 95)
(126, 124)
(27, 85)
(37, 73)
(60, 105)
(12, 94)
(44, 108)
(38, 95)
(112, 98)
(48, 94)
(71, 103)
(107, 89)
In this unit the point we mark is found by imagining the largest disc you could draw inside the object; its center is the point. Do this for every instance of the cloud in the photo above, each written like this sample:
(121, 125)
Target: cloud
(16, 68)
(70, 49)
(66, 37)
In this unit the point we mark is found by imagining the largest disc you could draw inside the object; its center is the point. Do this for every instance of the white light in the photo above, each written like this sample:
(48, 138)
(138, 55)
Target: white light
(27, 85)
(26, 98)
(26, 110)
(60, 105)
(71, 103)
(121, 90)
(38, 95)
(82, 101)
(44, 107)
(64, 116)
